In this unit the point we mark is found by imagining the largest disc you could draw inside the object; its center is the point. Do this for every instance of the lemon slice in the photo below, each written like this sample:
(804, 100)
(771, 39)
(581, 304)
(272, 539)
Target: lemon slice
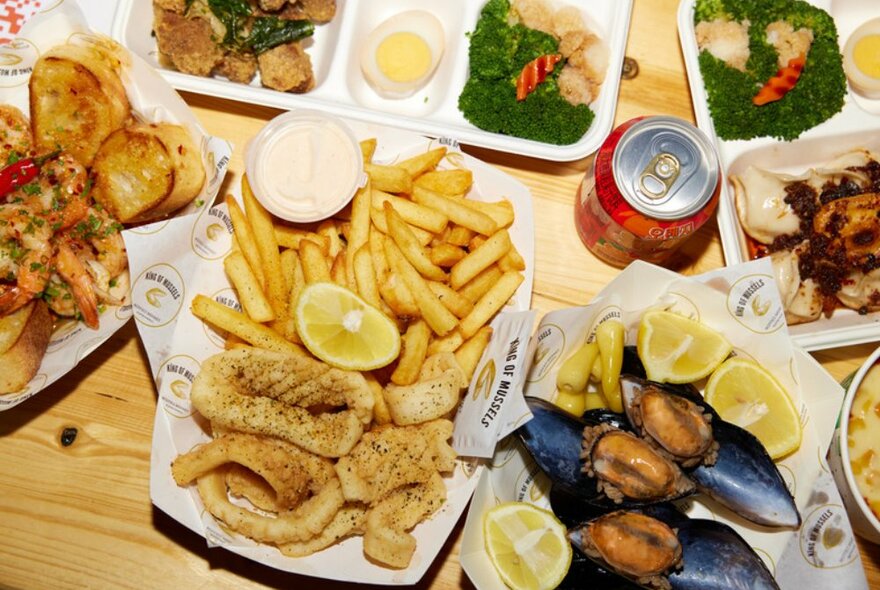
(343, 330)
(676, 349)
(527, 545)
(746, 394)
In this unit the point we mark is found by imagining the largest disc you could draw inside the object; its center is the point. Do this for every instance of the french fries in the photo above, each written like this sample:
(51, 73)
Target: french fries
(413, 246)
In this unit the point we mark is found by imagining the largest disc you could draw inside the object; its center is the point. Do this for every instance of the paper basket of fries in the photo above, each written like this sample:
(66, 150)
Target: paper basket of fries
(151, 100)
(181, 276)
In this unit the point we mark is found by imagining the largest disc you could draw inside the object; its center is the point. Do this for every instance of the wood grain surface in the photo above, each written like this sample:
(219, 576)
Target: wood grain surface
(79, 516)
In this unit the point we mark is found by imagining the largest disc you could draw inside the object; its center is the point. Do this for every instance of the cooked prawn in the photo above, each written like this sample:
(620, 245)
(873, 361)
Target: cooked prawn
(25, 254)
(59, 194)
(74, 274)
(15, 134)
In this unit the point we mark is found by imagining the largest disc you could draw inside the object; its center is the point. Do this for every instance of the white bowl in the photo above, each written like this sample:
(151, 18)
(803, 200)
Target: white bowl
(864, 522)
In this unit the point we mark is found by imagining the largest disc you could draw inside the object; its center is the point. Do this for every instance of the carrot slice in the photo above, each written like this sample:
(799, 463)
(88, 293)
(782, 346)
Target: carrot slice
(533, 73)
(780, 84)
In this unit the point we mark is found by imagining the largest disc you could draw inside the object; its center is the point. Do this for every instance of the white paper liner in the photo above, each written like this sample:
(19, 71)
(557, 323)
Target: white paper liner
(174, 261)
(153, 99)
(724, 299)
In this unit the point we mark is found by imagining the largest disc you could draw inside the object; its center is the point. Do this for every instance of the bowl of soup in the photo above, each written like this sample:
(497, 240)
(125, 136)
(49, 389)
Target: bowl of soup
(855, 450)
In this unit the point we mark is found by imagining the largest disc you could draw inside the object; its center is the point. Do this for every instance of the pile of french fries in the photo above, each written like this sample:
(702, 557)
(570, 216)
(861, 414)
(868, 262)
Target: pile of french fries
(412, 245)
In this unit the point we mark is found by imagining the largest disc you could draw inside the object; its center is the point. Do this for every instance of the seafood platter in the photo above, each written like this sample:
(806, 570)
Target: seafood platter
(88, 289)
(343, 79)
(739, 510)
(790, 164)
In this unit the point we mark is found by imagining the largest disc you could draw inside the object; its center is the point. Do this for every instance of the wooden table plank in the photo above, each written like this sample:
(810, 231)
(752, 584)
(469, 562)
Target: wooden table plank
(80, 516)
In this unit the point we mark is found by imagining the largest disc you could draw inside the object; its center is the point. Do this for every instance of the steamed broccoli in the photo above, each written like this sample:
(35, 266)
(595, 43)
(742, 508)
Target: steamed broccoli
(818, 94)
(498, 52)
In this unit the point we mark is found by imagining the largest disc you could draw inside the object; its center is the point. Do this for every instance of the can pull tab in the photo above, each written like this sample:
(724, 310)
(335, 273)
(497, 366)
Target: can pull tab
(659, 175)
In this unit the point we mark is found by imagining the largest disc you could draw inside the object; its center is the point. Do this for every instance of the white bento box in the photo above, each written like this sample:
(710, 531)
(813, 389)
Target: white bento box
(342, 90)
(857, 125)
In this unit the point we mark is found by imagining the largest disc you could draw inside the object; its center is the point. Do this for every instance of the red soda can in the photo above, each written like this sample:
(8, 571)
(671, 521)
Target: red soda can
(653, 183)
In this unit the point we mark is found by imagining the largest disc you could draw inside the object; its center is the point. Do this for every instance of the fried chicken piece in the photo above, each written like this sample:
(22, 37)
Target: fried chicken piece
(320, 11)
(238, 67)
(188, 43)
(178, 6)
(287, 68)
(271, 5)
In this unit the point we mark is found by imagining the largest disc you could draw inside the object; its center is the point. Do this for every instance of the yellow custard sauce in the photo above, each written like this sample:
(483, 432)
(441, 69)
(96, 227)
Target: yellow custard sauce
(864, 438)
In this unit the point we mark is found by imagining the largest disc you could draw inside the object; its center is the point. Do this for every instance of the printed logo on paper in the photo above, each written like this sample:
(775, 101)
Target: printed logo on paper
(683, 305)
(64, 333)
(227, 297)
(611, 313)
(175, 379)
(158, 295)
(484, 381)
(212, 234)
(550, 343)
(533, 486)
(16, 60)
(753, 301)
(824, 539)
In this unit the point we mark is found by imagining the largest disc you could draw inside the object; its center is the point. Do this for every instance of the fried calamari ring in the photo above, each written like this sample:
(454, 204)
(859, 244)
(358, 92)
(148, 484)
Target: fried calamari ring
(436, 392)
(304, 522)
(392, 456)
(385, 538)
(350, 520)
(267, 458)
(247, 484)
(292, 473)
(271, 393)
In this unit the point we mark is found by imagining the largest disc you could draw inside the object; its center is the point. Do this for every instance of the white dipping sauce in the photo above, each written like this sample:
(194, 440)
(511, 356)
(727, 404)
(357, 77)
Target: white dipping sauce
(304, 166)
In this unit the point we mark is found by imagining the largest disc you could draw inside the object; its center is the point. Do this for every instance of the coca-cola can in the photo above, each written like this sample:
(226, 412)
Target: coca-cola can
(653, 183)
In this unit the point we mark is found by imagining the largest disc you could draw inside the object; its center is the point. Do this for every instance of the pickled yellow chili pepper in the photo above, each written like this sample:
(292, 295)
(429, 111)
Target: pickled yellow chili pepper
(573, 402)
(609, 336)
(595, 401)
(575, 371)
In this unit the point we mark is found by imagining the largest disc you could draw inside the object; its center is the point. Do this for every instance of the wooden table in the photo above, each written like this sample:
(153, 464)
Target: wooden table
(80, 516)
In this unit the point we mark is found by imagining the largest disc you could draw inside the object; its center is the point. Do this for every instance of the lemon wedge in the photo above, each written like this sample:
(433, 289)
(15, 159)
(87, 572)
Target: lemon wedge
(746, 394)
(343, 330)
(527, 545)
(676, 349)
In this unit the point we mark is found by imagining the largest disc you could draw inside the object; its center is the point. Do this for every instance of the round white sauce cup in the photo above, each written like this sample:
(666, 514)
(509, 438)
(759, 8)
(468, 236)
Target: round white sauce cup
(864, 521)
(304, 165)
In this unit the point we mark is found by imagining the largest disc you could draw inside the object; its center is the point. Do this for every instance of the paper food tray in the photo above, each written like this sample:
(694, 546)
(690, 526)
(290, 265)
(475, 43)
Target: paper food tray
(341, 89)
(851, 128)
(154, 100)
(187, 259)
(513, 475)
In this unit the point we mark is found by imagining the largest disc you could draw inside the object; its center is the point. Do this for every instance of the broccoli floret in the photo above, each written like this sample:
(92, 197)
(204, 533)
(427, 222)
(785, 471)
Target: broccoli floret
(498, 52)
(818, 94)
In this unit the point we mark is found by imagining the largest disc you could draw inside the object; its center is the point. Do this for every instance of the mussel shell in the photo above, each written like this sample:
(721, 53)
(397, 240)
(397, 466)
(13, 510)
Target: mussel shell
(746, 480)
(632, 544)
(743, 477)
(630, 468)
(714, 556)
(553, 438)
(684, 428)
